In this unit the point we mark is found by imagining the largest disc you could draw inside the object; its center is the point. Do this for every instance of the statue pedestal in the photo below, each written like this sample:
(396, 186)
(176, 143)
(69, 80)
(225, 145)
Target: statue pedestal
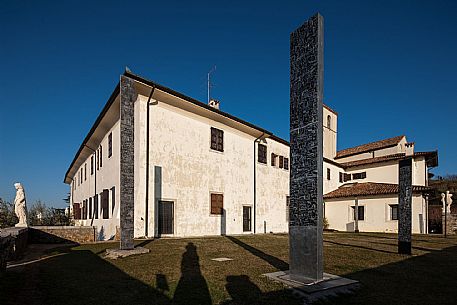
(21, 225)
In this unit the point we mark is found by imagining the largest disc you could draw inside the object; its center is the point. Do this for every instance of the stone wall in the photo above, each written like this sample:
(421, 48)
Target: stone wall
(13, 242)
(62, 234)
(451, 223)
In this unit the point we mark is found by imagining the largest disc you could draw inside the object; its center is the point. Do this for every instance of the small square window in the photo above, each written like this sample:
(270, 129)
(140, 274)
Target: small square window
(217, 139)
(110, 145)
(273, 159)
(393, 211)
(361, 210)
(217, 204)
(262, 153)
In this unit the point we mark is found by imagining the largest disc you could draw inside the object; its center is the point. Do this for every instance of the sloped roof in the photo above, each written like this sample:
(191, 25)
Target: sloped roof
(369, 147)
(430, 156)
(369, 188)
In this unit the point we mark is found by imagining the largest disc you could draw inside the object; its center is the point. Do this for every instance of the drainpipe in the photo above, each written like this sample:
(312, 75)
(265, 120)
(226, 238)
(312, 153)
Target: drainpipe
(146, 214)
(255, 182)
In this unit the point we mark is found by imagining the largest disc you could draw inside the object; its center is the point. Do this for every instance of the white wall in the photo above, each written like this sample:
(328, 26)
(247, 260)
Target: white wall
(105, 177)
(189, 170)
(377, 214)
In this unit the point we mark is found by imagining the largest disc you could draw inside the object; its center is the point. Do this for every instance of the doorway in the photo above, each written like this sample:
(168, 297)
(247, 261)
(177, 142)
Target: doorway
(166, 217)
(247, 219)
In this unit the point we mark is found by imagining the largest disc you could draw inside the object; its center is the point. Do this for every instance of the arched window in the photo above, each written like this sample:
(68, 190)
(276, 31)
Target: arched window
(329, 122)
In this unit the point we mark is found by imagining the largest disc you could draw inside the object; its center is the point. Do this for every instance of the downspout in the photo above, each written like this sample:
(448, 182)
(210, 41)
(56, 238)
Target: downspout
(146, 213)
(255, 182)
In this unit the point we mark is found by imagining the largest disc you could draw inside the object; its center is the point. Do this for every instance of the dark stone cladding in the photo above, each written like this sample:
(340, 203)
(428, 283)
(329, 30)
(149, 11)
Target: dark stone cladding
(128, 97)
(306, 149)
(405, 191)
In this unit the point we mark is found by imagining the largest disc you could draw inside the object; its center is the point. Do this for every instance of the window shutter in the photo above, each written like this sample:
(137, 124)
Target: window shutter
(286, 163)
(281, 161)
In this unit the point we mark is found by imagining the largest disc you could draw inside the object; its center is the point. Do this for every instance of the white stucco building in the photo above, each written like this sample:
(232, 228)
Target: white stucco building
(201, 171)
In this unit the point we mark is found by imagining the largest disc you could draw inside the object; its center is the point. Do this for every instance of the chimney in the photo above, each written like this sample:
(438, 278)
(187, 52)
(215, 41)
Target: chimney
(409, 149)
(214, 103)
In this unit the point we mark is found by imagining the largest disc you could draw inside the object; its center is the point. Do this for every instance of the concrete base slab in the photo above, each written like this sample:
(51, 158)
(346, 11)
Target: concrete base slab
(222, 259)
(116, 253)
(311, 290)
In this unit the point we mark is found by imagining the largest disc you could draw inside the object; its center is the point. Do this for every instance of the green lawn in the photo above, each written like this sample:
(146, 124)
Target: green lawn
(180, 271)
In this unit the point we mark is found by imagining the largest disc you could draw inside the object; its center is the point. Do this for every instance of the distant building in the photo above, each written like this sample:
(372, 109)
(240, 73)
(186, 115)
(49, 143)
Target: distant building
(201, 171)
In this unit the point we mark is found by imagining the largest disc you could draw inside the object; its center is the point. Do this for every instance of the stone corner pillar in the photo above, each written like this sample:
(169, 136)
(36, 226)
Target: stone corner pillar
(306, 151)
(405, 191)
(128, 97)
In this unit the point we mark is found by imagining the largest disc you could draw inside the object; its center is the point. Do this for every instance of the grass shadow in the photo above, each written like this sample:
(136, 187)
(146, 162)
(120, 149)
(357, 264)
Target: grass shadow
(272, 260)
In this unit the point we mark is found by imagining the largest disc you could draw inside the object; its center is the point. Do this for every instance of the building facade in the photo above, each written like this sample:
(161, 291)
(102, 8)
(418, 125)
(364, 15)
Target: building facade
(200, 171)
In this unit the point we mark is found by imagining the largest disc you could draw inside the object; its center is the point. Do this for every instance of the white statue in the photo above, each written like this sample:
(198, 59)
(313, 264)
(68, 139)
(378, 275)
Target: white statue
(20, 207)
(446, 200)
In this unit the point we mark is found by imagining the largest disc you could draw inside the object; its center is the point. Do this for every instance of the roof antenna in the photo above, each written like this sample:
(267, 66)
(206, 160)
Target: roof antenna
(209, 82)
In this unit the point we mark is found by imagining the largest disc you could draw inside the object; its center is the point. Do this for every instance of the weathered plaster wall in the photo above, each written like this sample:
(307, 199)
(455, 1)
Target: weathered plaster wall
(184, 169)
(107, 177)
(272, 190)
(377, 214)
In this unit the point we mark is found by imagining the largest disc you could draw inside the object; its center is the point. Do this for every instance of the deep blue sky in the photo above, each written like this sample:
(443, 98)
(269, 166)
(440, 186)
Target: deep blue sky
(390, 69)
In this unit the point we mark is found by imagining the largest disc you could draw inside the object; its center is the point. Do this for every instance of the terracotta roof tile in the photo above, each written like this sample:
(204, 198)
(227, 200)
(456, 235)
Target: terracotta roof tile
(369, 188)
(368, 147)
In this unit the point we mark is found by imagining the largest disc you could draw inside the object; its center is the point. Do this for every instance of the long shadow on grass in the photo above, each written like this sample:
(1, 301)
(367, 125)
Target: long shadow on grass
(243, 291)
(82, 277)
(357, 246)
(274, 261)
(420, 280)
(192, 287)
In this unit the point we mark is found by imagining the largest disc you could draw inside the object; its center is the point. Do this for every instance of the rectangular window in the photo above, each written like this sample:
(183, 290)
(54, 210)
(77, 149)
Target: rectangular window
(76, 211)
(347, 177)
(287, 207)
(217, 204)
(85, 171)
(84, 209)
(81, 176)
(393, 211)
(110, 145)
(97, 158)
(262, 153)
(90, 207)
(105, 204)
(96, 206)
(273, 159)
(217, 139)
(341, 177)
(361, 212)
(101, 156)
(281, 162)
(357, 176)
(113, 199)
(328, 174)
(92, 164)
(286, 163)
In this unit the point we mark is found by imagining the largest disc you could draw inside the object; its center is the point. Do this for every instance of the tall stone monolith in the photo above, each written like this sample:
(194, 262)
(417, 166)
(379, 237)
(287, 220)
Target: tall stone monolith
(306, 151)
(128, 97)
(405, 192)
